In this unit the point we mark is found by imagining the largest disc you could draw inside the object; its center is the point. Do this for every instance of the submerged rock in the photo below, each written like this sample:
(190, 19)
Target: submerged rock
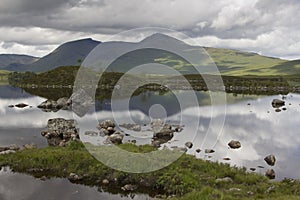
(60, 131)
(270, 159)
(234, 144)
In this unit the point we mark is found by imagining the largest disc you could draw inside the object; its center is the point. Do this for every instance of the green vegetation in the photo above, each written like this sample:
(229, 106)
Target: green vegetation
(187, 178)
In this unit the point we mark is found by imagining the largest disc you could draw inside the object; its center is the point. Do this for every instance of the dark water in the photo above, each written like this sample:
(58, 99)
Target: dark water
(260, 129)
(23, 187)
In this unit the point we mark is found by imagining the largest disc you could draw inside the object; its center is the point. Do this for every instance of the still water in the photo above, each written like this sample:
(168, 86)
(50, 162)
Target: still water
(249, 119)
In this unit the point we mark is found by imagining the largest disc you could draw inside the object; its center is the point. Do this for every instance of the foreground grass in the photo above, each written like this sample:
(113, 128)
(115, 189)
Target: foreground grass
(187, 178)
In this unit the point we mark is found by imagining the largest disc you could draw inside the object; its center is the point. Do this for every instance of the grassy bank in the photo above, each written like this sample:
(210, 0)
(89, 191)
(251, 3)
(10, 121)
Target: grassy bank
(187, 178)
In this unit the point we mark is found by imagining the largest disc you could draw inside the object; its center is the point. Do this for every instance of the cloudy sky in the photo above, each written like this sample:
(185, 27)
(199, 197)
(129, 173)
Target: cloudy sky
(269, 27)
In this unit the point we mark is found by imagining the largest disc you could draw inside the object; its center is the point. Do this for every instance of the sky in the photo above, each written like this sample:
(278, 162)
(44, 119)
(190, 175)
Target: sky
(268, 27)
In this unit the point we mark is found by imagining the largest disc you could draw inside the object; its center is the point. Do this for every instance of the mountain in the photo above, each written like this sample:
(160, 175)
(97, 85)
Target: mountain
(228, 61)
(13, 61)
(68, 54)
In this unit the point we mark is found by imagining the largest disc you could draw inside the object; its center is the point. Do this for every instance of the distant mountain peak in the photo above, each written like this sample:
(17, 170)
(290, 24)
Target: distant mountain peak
(160, 37)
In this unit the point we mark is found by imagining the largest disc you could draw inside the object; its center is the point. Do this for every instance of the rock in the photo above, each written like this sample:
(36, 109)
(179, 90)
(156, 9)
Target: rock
(11, 106)
(270, 160)
(189, 144)
(74, 177)
(116, 138)
(91, 133)
(250, 193)
(129, 187)
(226, 159)
(209, 151)
(133, 127)
(252, 169)
(43, 178)
(277, 103)
(104, 132)
(284, 109)
(105, 124)
(7, 152)
(234, 189)
(21, 105)
(105, 182)
(270, 189)
(270, 173)
(259, 166)
(234, 144)
(60, 130)
(198, 150)
(29, 146)
(226, 179)
(12, 147)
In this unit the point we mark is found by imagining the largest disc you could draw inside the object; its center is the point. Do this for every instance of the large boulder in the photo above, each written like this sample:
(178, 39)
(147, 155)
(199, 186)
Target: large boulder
(277, 103)
(60, 131)
(116, 138)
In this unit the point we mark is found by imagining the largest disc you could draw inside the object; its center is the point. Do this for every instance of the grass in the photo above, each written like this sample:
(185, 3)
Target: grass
(187, 178)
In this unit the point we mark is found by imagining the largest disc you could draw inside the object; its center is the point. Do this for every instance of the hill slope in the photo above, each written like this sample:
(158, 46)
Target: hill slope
(70, 53)
(229, 62)
(13, 61)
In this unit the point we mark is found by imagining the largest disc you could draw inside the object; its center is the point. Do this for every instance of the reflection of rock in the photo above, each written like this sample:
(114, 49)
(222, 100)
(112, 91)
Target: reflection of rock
(234, 144)
(50, 105)
(270, 173)
(91, 133)
(21, 105)
(60, 131)
(209, 151)
(277, 103)
(133, 127)
(270, 159)
(81, 102)
(189, 145)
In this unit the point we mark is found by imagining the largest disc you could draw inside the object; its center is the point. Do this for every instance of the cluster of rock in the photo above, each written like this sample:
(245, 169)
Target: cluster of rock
(107, 128)
(60, 131)
(162, 133)
(133, 127)
(79, 102)
(13, 148)
(277, 104)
